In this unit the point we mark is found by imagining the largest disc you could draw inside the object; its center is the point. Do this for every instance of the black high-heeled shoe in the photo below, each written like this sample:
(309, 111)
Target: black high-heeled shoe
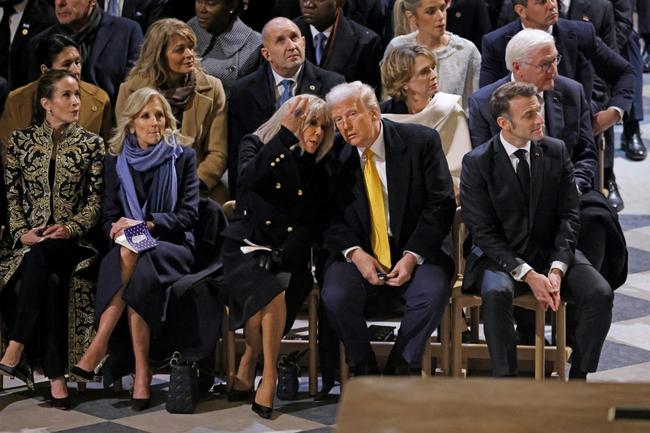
(140, 404)
(263, 411)
(239, 395)
(84, 374)
(62, 403)
(20, 371)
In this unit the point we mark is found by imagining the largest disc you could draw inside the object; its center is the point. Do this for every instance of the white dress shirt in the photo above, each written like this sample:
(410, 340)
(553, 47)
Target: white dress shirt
(520, 271)
(314, 31)
(279, 88)
(120, 5)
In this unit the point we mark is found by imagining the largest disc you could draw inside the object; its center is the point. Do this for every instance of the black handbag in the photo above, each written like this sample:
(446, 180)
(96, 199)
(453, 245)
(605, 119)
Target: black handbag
(288, 374)
(183, 392)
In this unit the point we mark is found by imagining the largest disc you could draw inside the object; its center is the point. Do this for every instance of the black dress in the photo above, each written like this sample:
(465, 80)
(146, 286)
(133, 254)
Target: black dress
(281, 200)
(157, 269)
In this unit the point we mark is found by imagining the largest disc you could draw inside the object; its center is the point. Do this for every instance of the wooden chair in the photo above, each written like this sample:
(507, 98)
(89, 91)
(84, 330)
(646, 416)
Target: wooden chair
(460, 351)
(287, 344)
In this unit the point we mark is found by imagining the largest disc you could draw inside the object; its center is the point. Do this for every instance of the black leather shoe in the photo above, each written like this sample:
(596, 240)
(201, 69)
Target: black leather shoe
(614, 196)
(237, 395)
(324, 393)
(397, 366)
(634, 146)
(84, 374)
(140, 404)
(366, 367)
(20, 371)
(60, 403)
(263, 411)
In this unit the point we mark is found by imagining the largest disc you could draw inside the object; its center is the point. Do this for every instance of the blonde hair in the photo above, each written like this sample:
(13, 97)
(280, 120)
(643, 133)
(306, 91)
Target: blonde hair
(152, 63)
(401, 24)
(134, 105)
(397, 68)
(316, 108)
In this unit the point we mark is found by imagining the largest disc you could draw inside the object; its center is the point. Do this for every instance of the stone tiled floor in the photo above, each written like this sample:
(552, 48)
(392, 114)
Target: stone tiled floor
(626, 356)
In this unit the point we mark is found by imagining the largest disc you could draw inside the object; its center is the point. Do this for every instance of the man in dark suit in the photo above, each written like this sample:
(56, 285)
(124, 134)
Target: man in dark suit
(582, 53)
(339, 44)
(392, 206)
(110, 45)
(255, 97)
(469, 19)
(532, 58)
(143, 12)
(520, 205)
(23, 20)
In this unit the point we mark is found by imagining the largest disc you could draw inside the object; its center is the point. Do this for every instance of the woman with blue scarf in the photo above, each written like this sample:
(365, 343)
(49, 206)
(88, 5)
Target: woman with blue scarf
(149, 177)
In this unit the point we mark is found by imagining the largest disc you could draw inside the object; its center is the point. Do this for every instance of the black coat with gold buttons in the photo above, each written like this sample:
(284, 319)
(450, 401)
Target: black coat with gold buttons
(281, 196)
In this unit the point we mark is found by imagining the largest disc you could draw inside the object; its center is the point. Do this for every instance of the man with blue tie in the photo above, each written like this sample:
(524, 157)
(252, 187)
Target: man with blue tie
(520, 203)
(255, 97)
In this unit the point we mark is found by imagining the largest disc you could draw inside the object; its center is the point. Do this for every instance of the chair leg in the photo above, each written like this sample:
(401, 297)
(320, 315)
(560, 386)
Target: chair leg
(81, 386)
(343, 365)
(456, 339)
(426, 359)
(231, 349)
(475, 318)
(540, 321)
(560, 341)
(444, 331)
(313, 342)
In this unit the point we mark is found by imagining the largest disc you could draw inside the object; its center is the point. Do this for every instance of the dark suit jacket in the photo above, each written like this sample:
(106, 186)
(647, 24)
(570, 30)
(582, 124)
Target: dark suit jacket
(252, 102)
(580, 48)
(144, 12)
(4, 92)
(469, 19)
(38, 15)
(567, 117)
(493, 208)
(115, 49)
(420, 195)
(354, 51)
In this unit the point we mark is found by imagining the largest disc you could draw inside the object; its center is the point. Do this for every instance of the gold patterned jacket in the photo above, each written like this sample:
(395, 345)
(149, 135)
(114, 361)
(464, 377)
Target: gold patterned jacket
(75, 198)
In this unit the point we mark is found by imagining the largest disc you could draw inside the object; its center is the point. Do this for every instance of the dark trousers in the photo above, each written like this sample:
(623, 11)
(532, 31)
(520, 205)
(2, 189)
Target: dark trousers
(41, 308)
(593, 298)
(345, 294)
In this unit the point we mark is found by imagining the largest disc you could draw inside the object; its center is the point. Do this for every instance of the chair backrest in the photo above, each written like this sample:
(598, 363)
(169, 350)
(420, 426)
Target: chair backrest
(459, 234)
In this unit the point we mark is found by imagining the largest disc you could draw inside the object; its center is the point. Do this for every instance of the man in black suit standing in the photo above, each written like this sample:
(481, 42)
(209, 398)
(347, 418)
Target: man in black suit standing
(143, 12)
(392, 206)
(20, 20)
(520, 204)
(339, 44)
(255, 97)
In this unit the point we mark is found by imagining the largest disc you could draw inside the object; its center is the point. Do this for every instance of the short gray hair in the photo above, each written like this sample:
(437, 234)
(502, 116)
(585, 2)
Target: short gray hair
(362, 91)
(524, 44)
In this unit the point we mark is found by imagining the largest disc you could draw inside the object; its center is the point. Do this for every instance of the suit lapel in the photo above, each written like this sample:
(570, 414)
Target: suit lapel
(553, 113)
(398, 175)
(350, 159)
(537, 162)
(101, 39)
(340, 49)
(307, 81)
(565, 42)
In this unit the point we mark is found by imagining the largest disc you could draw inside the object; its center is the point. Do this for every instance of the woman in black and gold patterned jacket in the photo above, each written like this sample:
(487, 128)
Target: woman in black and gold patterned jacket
(54, 185)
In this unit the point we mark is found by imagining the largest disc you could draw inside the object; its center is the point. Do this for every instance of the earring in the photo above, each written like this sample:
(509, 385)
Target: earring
(231, 11)
(131, 130)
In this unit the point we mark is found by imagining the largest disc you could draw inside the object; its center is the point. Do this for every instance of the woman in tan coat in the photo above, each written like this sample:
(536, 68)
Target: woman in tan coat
(168, 63)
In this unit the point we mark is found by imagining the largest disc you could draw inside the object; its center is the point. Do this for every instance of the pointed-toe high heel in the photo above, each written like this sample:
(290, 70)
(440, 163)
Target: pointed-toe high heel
(84, 374)
(263, 411)
(20, 371)
(140, 404)
(62, 403)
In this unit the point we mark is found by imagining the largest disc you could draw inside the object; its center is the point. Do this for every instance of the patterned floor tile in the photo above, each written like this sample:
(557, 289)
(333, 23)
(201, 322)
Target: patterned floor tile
(616, 355)
(109, 405)
(638, 260)
(631, 373)
(637, 286)
(627, 307)
(632, 332)
(105, 427)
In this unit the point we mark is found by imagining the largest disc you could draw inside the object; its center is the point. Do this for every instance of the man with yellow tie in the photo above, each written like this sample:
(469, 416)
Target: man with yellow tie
(392, 206)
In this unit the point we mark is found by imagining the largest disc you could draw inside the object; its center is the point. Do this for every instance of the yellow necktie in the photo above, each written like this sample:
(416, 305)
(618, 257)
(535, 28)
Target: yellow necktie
(378, 227)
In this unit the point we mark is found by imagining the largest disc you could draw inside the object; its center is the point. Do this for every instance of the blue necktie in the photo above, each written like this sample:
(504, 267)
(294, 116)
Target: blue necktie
(114, 8)
(320, 47)
(286, 92)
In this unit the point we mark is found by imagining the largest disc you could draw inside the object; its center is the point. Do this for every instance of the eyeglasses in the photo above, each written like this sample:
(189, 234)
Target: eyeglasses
(544, 67)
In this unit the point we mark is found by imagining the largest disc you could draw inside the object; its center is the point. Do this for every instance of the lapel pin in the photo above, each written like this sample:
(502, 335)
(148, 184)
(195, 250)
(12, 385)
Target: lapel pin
(458, 14)
(556, 99)
(24, 32)
(312, 87)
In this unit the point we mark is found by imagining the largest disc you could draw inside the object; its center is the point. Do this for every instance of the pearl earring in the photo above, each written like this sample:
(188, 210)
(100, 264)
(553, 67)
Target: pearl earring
(131, 130)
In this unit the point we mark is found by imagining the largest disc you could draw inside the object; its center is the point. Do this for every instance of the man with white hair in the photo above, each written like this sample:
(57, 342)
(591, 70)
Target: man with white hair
(392, 205)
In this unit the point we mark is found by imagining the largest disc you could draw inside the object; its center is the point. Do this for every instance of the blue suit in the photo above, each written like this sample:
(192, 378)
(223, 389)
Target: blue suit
(567, 117)
(115, 49)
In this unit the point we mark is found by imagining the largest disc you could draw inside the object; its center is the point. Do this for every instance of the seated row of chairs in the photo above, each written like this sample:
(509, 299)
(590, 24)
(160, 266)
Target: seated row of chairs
(448, 347)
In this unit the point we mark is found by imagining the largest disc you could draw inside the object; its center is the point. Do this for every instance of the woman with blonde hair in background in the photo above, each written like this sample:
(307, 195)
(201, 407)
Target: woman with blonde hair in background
(168, 63)
(458, 60)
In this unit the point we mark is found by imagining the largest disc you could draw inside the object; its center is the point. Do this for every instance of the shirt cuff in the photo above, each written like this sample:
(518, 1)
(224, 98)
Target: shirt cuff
(559, 265)
(418, 257)
(347, 251)
(520, 271)
(619, 111)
